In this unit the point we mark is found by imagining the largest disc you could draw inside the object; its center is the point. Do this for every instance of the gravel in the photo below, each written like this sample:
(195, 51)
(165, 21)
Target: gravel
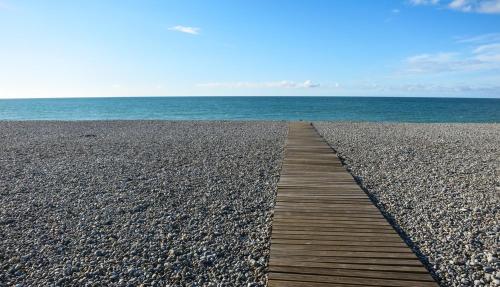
(439, 184)
(124, 203)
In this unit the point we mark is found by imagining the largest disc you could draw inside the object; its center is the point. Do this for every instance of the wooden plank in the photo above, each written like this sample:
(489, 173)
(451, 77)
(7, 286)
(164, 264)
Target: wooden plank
(281, 261)
(323, 198)
(330, 200)
(348, 280)
(330, 247)
(353, 273)
(286, 283)
(335, 253)
(350, 260)
(330, 193)
(328, 206)
(309, 229)
(319, 218)
(351, 237)
(331, 224)
(337, 242)
(328, 213)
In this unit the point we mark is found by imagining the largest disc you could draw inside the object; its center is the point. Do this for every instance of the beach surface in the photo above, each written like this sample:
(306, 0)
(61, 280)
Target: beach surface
(439, 185)
(190, 203)
(129, 202)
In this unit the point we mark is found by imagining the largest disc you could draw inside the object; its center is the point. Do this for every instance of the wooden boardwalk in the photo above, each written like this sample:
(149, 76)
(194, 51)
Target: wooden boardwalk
(326, 231)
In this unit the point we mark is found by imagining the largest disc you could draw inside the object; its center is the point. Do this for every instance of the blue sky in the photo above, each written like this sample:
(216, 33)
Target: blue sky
(307, 48)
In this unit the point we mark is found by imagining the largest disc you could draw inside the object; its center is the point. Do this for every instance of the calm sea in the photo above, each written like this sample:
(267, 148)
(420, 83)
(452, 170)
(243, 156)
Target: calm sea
(256, 108)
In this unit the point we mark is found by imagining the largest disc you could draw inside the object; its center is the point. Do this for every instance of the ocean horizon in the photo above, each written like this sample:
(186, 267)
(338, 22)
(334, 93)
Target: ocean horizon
(293, 108)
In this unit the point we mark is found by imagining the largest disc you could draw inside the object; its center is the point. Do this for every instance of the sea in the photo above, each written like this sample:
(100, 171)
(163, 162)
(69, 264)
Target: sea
(377, 109)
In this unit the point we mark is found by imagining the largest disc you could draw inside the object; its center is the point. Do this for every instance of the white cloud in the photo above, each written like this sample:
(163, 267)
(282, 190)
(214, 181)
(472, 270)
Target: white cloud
(307, 84)
(488, 53)
(461, 5)
(425, 63)
(479, 6)
(261, 85)
(185, 29)
(4, 5)
(395, 11)
(480, 58)
(480, 39)
(468, 6)
(424, 2)
(490, 7)
(427, 88)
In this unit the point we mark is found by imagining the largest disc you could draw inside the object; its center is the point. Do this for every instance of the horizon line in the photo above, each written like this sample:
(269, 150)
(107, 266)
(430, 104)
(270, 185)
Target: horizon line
(222, 96)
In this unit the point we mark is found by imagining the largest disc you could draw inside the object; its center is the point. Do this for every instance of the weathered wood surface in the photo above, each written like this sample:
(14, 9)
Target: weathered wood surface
(326, 231)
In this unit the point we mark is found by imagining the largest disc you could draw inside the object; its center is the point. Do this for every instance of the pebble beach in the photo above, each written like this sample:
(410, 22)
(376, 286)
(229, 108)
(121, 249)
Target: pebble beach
(190, 203)
(125, 203)
(438, 184)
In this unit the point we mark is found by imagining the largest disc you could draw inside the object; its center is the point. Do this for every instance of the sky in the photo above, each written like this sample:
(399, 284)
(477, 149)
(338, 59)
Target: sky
(94, 48)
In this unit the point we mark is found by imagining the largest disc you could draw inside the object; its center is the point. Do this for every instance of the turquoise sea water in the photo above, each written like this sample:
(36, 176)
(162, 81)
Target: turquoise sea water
(256, 108)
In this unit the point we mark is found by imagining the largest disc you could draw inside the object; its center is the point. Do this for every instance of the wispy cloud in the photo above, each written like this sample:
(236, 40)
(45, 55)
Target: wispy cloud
(478, 58)
(261, 85)
(424, 2)
(424, 88)
(185, 29)
(480, 39)
(4, 5)
(479, 6)
(469, 6)
(432, 63)
(488, 53)
(363, 88)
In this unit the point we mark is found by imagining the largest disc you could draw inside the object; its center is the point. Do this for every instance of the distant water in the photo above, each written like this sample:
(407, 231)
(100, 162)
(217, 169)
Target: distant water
(256, 108)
